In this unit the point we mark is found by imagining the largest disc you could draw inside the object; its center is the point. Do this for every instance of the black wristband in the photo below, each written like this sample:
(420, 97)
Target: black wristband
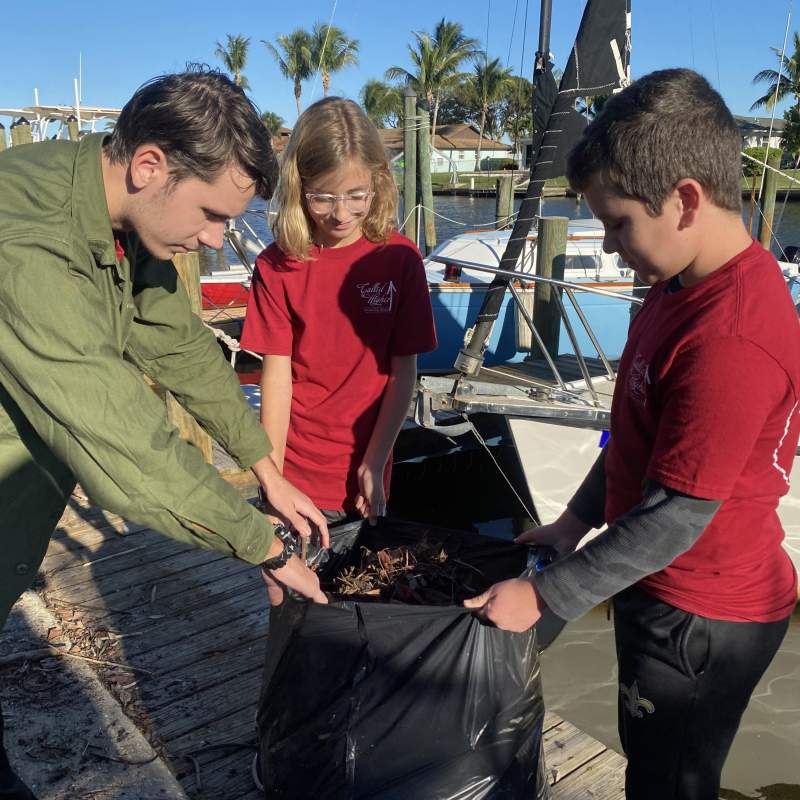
(289, 549)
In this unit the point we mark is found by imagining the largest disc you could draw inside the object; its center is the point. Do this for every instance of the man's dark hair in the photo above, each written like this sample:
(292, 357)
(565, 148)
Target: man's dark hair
(665, 126)
(203, 122)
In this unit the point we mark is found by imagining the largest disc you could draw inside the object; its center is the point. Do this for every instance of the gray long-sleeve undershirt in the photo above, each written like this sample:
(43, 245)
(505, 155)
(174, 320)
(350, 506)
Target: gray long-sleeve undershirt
(649, 537)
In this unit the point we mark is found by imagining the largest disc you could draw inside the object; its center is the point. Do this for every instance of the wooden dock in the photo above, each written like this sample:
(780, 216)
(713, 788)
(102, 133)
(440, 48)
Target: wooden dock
(191, 626)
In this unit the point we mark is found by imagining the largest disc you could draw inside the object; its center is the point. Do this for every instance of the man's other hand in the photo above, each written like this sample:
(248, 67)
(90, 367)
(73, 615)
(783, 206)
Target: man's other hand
(293, 575)
(288, 502)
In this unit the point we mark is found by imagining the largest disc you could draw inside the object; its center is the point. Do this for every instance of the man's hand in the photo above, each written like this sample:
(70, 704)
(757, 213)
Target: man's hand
(512, 605)
(564, 534)
(293, 575)
(289, 503)
(371, 499)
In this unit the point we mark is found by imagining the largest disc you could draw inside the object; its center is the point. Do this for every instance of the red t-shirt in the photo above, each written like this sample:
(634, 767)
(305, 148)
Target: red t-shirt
(341, 316)
(706, 403)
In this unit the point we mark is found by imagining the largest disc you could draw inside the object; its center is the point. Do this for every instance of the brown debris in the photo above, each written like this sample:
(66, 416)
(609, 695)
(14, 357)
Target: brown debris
(424, 573)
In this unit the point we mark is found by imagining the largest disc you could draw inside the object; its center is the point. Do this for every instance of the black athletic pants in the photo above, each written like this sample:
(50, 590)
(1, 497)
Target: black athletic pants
(684, 683)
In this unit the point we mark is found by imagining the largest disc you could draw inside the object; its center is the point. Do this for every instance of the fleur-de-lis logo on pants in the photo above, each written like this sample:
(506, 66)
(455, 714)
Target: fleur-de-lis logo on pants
(635, 704)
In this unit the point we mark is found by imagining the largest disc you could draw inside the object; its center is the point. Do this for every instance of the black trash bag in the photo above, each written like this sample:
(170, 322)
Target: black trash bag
(380, 701)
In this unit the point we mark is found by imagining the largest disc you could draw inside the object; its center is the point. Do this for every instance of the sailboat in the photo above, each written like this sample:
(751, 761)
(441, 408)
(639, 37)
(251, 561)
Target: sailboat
(556, 408)
(530, 395)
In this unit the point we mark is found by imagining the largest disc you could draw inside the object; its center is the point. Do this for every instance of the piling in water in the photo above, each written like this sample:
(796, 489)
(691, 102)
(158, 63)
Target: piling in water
(410, 124)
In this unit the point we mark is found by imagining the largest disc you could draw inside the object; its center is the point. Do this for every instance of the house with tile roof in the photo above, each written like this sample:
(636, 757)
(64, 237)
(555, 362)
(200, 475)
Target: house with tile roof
(454, 148)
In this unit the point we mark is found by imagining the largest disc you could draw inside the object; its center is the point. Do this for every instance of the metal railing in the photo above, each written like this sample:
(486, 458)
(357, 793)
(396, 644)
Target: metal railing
(570, 289)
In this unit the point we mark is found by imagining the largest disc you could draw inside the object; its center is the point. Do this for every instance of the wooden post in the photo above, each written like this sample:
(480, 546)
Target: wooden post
(188, 267)
(504, 202)
(768, 202)
(752, 205)
(2, 137)
(410, 124)
(207, 260)
(222, 262)
(72, 127)
(21, 132)
(551, 250)
(425, 181)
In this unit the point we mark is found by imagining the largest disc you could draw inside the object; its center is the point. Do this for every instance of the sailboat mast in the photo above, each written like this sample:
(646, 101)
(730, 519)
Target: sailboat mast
(545, 14)
(470, 358)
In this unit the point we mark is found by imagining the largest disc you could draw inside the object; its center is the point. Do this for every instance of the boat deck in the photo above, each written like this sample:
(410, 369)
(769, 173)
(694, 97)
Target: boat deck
(537, 371)
(191, 626)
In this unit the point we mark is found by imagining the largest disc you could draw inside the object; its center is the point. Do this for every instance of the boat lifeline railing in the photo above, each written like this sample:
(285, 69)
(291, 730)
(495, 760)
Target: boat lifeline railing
(569, 288)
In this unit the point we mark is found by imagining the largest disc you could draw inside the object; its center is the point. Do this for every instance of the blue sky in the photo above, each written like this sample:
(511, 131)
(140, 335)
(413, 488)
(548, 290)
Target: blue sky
(124, 44)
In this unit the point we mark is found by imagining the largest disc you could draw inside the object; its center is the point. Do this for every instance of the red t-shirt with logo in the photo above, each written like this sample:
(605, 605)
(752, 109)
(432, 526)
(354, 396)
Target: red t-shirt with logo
(706, 403)
(341, 316)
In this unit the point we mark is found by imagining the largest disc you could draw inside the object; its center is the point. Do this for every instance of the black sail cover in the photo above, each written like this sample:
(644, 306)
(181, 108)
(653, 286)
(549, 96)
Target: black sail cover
(597, 65)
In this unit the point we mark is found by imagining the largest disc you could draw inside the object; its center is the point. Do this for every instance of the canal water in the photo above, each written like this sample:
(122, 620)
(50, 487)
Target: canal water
(455, 214)
(579, 669)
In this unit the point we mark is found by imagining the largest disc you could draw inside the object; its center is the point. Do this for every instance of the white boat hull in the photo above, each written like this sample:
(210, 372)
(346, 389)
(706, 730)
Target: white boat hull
(556, 458)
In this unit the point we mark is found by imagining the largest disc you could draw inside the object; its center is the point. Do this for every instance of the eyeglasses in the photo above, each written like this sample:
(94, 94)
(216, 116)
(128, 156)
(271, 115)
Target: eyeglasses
(354, 202)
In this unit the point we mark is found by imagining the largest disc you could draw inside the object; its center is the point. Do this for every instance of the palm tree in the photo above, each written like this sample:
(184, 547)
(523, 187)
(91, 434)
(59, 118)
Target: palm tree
(383, 103)
(331, 51)
(515, 110)
(234, 57)
(272, 122)
(783, 82)
(490, 84)
(437, 59)
(294, 59)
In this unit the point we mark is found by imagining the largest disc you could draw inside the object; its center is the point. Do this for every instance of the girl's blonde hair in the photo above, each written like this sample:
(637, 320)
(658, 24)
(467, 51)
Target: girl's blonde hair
(327, 134)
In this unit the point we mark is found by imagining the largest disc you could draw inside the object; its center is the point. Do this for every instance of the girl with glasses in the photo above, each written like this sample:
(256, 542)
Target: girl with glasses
(339, 308)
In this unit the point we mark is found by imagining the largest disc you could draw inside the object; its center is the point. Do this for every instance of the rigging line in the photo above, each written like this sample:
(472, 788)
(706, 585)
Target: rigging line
(486, 49)
(691, 30)
(714, 40)
(471, 224)
(503, 474)
(324, 45)
(771, 232)
(522, 73)
(786, 175)
(775, 102)
(513, 30)
(459, 222)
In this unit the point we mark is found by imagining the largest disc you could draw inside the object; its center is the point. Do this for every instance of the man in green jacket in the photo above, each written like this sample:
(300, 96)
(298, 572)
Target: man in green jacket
(89, 302)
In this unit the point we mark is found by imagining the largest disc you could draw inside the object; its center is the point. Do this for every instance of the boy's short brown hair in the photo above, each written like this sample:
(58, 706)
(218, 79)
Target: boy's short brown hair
(665, 126)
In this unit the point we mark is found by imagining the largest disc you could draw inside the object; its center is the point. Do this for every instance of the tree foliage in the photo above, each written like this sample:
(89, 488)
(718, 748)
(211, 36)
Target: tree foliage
(490, 82)
(293, 55)
(233, 55)
(790, 140)
(383, 103)
(272, 122)
(437, 60)
(331, 51)
(750, 167)
(783, 82)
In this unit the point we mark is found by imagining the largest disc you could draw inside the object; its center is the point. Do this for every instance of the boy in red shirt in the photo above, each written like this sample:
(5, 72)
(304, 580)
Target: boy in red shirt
(704, 427)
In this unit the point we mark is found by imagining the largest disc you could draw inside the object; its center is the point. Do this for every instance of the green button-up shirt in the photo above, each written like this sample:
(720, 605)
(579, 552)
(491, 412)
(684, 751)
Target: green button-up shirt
(77, 330)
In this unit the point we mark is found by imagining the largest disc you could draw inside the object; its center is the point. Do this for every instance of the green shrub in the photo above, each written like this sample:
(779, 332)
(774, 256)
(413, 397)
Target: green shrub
(750, 168)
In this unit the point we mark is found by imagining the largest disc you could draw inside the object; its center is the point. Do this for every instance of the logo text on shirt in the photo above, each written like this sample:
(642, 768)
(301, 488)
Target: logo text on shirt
(378, 297)
(638, 378)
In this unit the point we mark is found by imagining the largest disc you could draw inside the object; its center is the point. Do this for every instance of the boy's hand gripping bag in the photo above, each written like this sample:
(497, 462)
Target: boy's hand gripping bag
(366, 700)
